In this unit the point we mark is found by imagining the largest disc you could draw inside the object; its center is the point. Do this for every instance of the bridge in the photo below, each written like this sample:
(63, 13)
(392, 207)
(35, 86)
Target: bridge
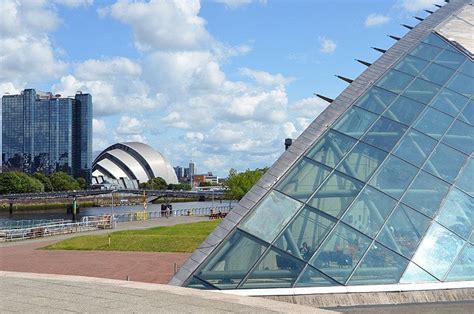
(151, 194)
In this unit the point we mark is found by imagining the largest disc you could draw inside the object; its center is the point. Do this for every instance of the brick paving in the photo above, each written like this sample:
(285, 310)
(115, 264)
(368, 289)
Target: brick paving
(151, 267)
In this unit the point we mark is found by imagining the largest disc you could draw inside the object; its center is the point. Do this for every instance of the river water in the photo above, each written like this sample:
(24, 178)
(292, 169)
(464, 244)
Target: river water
(93, 211)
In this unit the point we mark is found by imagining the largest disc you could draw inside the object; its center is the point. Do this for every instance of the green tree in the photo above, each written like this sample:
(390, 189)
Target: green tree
(18, 182)
(155, 184)
(61, 181)
(179, 187)
(239, 184)
(48, 187)
(82, 183)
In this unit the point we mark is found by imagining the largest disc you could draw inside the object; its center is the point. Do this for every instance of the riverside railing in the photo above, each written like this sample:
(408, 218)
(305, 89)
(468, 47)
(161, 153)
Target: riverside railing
(146, 215)
(29, 223)
(100, 222)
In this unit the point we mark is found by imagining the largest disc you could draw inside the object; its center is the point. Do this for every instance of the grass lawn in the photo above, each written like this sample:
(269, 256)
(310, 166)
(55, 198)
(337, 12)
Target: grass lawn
(178, 238)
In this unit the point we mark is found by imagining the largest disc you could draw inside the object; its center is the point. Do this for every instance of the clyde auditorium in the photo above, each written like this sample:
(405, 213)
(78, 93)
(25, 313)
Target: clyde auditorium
(125, 165)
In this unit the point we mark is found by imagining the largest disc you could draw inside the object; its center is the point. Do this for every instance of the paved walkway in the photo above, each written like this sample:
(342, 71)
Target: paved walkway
(36, 293)
(23, 256)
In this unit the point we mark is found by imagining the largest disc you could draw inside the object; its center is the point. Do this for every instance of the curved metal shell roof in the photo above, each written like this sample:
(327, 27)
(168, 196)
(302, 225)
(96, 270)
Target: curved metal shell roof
(136, 161)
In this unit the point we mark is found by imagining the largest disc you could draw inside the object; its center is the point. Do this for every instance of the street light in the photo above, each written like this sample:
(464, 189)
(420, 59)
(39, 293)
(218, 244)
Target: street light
(113, 212)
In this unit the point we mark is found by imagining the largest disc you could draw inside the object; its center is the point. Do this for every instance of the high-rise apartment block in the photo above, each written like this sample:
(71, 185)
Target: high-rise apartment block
(42, 132)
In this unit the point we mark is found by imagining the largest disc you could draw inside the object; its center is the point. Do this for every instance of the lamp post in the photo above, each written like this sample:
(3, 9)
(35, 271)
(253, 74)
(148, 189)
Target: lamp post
(113, 212)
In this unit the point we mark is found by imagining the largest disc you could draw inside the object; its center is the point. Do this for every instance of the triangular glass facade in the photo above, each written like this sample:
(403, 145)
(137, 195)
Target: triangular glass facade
(385, 196)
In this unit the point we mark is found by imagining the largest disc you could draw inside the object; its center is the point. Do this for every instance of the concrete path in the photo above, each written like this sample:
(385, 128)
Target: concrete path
(36, 293)
(24, 256)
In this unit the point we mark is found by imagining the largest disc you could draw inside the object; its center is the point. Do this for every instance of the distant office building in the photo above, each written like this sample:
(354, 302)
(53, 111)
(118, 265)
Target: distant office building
(192, 169)
(42, 132)
(179, 172)
(205, 178)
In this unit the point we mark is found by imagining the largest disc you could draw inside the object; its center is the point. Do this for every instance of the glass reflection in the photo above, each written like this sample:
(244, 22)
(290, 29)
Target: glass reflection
(275, 270)
(304, 235)
(331, 148)
(362, 161)
(270, 216)
(445, 162)
(433, 123)
(228, 266)
(303, 179)
(457, 213)
(415, 147)
(355, 122)
(438, 250)
(369, 211)
(403, 230)
(341, 252)
(379, 266)
(394, 176)
(461, 136)
(463, 268)
(376, 100)
(426, 193)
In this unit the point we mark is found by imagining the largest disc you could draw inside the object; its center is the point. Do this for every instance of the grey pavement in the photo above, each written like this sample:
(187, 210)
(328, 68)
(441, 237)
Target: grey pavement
(143, 224)
(41, 293)
(458, 307)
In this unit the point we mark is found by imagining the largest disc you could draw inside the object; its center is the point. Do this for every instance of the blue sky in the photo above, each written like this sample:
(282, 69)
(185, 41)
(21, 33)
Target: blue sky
(219, 82)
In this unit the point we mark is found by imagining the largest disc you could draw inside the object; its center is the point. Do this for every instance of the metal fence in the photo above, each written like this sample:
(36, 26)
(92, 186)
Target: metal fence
(100, 222)
(29, 223)
(146, 215)
(30, 229)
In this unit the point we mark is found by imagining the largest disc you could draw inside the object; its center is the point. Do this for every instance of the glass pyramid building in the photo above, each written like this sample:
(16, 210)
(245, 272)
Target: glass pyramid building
(379, 190)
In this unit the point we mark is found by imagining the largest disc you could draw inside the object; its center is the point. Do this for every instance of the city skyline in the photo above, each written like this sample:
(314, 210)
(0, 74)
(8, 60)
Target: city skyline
(219, 82)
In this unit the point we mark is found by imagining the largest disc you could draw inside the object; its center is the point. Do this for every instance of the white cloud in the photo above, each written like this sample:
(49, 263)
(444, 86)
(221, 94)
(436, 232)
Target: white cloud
(130, 126)
(416, 5)
(265, 78)
(194, 136)
(165, 25)
(235, 4)
(74, 3)
(306, 110)
(327, 45)
(376, 19)
(26, 54)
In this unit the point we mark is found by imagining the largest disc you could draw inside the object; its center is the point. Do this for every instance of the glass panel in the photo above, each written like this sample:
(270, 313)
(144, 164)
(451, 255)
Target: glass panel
(426, 193)
(461, 136)
(467, 68)
(411, 65)
(445, 162)
(384, 134)
(303, 179)
(196, 283)
(304, 235)
(433, 123)
(463, 268)
(380, 266)
(331, 148)
(404, 110)
(369, 211)
(426, 52)
(270, 216)
(341, 252)
(468, 113)
(275, 270)
(437, 250)
(414, 274)
(362, 161)
(232, 261)
(437, 74)
(457, 213)
(394, 176)
(313, 278)
(462, 84)
(403, 230)
(421, 91)
(450, 59)
(415, 147)
(466, 180)
(336, 194)
(434, 40)
(355, 122)
(376, 100)
(395, 81)
(449, 102)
